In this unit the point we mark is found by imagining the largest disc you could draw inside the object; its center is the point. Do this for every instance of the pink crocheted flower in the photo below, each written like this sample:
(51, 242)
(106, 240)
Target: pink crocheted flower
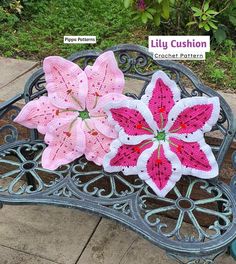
(161, 136)
(72, 116)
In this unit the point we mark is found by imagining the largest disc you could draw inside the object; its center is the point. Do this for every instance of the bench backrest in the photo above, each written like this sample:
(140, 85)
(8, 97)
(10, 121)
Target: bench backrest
(137, 63)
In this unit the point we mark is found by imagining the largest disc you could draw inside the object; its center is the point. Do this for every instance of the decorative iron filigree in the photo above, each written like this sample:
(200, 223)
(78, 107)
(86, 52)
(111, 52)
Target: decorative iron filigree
(97, 182)
(209, 259)
(22, 164)
(125, 198)
(220, 222)
(8, 131)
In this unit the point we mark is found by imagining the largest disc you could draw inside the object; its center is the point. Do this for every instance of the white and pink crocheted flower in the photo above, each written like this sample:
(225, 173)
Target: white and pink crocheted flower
(72, 116)
(161, 136)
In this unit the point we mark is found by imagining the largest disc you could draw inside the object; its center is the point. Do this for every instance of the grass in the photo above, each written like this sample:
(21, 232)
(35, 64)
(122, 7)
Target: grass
(219, 68)
(39, 32)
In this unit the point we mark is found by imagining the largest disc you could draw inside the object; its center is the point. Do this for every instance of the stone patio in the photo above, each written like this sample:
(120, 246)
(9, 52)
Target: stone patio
(47, 234)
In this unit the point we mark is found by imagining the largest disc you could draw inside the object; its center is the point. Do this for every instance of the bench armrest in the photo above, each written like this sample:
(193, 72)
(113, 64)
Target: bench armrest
(233, 180)
(9, 131)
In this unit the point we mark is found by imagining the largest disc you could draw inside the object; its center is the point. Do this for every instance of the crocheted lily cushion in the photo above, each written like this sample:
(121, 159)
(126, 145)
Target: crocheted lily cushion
(161, 136)
(72, 116)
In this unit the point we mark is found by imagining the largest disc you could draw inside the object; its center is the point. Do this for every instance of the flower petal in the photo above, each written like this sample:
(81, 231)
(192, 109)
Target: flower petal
(160, 96)
(66, 142)
(124, 157)
(99, 116)
(191, 117)
(160, 171)
(37, 114)
(196, 157)
(103, 77)
(132, 119)
(67, 84)
(97, 144)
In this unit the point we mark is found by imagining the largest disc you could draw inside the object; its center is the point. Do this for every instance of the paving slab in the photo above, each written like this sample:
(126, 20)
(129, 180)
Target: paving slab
(12, 68)
(114, 243)
(230, 99)
(11, 256)
(15, 87)
(108, 244)
(57, 234)
(14, 74)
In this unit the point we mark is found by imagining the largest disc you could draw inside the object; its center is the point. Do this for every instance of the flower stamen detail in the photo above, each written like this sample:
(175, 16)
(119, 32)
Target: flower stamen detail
(158, 161)
(67, 133)
(138, 126)
(162, 109)
(179, 148)
(182, 125)
(137, 149)
(93, 132)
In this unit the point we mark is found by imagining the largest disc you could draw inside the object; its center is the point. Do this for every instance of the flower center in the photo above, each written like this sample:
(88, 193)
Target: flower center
(161, 135)
(84, 114)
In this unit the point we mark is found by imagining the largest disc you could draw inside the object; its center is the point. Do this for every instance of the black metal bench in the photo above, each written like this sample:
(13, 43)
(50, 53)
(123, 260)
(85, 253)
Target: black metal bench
(126, 198)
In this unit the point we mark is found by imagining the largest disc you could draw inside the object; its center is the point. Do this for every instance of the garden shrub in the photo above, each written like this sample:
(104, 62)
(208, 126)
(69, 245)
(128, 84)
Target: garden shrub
(191, 16)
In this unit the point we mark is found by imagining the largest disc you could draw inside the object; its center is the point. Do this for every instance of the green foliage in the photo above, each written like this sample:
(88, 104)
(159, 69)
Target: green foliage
(191, 16)
(204, 17)
(44, 23)
(219, 67)
(149, 10)
(39, 29)
(11, 6)
(219, 34)
(217, 74)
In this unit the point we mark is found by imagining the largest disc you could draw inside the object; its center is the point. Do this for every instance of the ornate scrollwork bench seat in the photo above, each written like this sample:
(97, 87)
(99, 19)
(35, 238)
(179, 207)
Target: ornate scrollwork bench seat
(201, 221)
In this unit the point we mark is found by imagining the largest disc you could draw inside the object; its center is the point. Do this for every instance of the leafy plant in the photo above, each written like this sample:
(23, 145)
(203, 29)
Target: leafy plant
(205, 17)
(217, 74)
(12, 6)
(181, 16)
(147, 10)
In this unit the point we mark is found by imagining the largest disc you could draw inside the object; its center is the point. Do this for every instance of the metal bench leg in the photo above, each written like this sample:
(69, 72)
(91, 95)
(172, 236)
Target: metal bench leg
(207, 259)
(232, 249)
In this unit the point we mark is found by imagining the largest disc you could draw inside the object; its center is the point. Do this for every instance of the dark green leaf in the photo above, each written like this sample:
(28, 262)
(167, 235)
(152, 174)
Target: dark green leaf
(212, 25)
(197, 14)
(152, 11)
(157, 20)
(195, 9)
(201, 25)
(149, 15)
(206, 6)
(232, 19)
(191, 23)
(165, 9)
(127, 3)
(220, 35)
(144, 17)
(206, 27)
(211, 12)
